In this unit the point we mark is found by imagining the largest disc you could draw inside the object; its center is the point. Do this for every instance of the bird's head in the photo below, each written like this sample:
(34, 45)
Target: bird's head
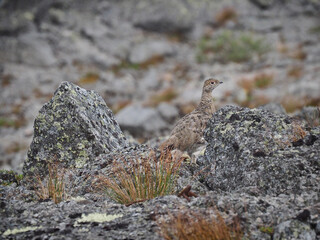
(211, 84)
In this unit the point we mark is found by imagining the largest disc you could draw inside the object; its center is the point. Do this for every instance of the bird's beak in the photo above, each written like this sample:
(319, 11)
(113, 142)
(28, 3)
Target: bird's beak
(220, 82)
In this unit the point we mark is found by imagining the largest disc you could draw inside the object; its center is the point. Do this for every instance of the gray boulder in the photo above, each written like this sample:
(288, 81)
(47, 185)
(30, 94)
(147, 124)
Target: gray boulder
(255, 151)
(74, 127)
(140, 121)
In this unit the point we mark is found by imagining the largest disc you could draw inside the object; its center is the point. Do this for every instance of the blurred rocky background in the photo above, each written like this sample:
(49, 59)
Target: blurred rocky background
(148, 59)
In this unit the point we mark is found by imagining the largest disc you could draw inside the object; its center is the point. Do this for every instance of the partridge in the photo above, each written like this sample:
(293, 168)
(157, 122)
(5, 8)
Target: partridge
(187, 135)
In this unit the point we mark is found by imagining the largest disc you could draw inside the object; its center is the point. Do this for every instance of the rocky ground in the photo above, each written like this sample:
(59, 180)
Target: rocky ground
(259, 167)
(147, 61)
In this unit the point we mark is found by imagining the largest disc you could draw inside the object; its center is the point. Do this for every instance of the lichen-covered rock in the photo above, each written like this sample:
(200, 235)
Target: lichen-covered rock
(255, 151)
(293, 229)
(74, 127)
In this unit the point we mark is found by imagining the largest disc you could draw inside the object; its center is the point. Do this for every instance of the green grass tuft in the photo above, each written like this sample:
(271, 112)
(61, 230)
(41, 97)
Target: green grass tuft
(141, 178)
(231, 47)
(53, 186)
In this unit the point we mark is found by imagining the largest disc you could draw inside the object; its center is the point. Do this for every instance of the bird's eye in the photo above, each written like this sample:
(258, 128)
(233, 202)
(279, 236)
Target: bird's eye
(212, 82)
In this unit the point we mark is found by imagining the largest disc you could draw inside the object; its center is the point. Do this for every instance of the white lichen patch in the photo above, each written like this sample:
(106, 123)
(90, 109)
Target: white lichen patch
(19, 230)
(96, 217)
(78, 199)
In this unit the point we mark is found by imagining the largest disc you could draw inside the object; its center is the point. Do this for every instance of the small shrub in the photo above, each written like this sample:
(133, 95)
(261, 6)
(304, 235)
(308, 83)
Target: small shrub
(54, 186)
(229, 46)
(141, 178)
(19, 178)
(193, 225)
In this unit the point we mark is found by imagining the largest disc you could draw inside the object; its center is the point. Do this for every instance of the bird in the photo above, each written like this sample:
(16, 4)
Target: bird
(187, 134)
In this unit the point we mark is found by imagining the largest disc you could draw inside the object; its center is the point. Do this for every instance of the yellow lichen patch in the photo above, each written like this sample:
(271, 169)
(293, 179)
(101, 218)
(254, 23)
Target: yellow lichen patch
(97, 217)
(18, 230)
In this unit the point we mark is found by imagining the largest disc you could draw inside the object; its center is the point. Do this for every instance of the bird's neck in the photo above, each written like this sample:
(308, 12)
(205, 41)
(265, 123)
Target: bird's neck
(206, 103)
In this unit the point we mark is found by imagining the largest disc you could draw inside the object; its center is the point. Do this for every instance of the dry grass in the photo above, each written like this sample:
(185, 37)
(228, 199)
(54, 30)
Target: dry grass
(193, 225)
(295, 52)
(16, 123)
(225, 15)
(15, 147)
(166, 95)
(125, 64)
(295, 71)
(247, 84)
(297, 132)
(120, 105)
(89, 78)
(260, 80)
(298, 53)
(53, 186)
(7, 79)
(263, 80)
(291, 103)
(39, 94)
(141, 178)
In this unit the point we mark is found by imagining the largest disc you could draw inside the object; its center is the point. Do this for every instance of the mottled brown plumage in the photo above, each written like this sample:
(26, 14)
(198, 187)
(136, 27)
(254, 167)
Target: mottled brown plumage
(187, 134)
